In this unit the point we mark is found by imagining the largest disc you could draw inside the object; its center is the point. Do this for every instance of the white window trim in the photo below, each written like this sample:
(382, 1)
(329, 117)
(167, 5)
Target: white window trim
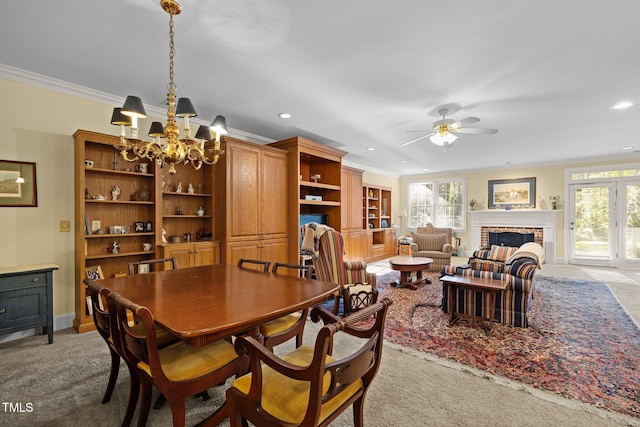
(435, 183)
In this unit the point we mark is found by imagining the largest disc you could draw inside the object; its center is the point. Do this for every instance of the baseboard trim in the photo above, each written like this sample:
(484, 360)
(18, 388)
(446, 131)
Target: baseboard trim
(59, 322)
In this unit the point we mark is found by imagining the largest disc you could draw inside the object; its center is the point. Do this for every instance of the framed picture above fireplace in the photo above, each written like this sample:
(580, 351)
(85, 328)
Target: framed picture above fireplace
(512, 193)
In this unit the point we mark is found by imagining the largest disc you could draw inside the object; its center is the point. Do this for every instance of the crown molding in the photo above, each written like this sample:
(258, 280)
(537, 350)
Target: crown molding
(45, 82)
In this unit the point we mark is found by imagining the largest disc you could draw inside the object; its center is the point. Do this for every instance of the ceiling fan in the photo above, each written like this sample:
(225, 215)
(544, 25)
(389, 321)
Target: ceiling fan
(445, 131)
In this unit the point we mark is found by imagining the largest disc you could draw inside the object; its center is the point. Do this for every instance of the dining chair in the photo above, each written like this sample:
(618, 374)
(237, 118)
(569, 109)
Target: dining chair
(291, 325)
(309, 387)
(254, 264)
(105, 325)
(178, 370)
(98, 295)
(151, 265)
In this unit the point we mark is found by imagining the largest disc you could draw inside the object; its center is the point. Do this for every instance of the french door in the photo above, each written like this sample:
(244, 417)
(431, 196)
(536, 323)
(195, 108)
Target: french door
(604, 224)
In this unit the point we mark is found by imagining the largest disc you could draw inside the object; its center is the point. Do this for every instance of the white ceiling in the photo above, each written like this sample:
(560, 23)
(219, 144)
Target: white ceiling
(361, 73)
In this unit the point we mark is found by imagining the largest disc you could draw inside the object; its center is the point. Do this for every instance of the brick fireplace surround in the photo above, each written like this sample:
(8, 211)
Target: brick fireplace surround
(542, 223)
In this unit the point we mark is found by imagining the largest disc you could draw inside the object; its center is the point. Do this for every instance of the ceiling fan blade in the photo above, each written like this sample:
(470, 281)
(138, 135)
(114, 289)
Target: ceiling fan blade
(464, 122)
(417, 139)
(423, 130)
(476, 130)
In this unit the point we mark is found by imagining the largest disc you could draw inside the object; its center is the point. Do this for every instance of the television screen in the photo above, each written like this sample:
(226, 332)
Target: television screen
(319, 218)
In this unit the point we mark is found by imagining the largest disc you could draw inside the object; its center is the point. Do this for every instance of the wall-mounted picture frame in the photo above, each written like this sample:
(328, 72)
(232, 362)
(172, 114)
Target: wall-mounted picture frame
(13, 193)
(512, 193)
(94, 272)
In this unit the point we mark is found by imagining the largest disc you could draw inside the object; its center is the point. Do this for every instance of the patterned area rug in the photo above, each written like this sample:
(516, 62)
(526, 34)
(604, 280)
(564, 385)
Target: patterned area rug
(581, 344)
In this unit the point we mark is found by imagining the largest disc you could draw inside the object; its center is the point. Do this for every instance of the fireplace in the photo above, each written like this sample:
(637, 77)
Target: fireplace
(510, 238)
(540, 223)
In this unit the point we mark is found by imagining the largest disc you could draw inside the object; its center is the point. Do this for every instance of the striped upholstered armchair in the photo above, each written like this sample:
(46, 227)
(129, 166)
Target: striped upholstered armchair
(357, 287)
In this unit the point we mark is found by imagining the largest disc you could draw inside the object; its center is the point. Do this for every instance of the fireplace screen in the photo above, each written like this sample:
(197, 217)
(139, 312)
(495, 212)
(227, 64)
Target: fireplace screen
(510, 238)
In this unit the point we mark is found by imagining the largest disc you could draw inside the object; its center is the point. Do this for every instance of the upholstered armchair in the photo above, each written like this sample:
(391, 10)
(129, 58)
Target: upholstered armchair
(357, 287)
(434, 243)
(516, 266)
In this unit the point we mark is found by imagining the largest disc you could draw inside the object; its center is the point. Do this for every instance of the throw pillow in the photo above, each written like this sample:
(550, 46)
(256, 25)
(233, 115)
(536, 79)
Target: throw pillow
(501, 253)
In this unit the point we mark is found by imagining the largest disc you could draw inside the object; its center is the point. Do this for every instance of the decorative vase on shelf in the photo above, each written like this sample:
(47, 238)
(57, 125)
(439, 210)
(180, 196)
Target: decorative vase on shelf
(473, 204)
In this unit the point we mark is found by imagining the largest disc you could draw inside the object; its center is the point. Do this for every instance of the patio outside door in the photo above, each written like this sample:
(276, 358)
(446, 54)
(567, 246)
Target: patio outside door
(592, 224)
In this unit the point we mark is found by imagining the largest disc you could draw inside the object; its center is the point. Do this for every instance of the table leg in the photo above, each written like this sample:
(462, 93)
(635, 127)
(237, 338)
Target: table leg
(420, 279)
(452, 303)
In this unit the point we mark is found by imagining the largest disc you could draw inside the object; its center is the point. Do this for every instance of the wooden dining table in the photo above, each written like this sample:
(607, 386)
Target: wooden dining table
(203, 304)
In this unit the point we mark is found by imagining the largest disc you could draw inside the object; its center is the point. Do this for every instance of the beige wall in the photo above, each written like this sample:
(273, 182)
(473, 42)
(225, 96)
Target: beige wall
(37, 126)
(549, 181)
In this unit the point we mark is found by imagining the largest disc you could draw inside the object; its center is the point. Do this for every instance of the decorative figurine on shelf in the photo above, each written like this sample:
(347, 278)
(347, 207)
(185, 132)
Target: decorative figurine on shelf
(190, 189)
(115, 192)
(179, 210)
(555, 201)
(179, 187)
(164, 236)
(473, 204)
(315, 178)
(114, 248)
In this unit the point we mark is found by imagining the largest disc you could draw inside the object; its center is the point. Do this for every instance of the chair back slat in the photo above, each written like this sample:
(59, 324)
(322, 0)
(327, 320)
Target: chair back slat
(254, 264)
(303, 270)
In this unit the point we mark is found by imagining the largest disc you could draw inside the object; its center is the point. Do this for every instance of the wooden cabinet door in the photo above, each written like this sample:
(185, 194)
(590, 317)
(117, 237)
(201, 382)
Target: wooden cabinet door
(273, 209)
(245, 249)
(390, 242)
(243, 198)
(351, 195)
(181, 252)
(274, 250)
(355, 251)
(205, 254)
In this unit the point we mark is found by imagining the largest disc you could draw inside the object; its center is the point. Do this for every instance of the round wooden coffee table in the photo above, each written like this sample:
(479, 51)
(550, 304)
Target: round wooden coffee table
(408, 264)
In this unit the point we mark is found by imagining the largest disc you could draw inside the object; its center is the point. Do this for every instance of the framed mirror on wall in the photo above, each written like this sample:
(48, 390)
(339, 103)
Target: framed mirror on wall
(18, 184)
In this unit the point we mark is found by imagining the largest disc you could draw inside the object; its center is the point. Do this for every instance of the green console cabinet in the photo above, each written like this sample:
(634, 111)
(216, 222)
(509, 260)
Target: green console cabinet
(26, 298)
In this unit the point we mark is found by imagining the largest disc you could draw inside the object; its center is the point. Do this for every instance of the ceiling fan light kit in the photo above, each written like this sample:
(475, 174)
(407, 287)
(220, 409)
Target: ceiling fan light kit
(445, 130)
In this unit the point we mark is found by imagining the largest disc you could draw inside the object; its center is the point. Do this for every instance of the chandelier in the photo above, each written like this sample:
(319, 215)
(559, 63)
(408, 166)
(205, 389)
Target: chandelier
(173, 149)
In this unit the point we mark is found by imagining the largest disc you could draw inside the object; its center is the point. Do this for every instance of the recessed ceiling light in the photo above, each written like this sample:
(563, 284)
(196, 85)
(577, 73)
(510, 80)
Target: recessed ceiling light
(425, 170)
(627, 148)
(622, 105)
(284, 115)
(405, 161)
(371, 148)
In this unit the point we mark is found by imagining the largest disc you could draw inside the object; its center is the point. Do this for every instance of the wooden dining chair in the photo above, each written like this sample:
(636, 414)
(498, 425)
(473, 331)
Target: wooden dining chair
(151, 265)
(178, 370)
(309, 387)
(98, 296)
(286, 327)
(254, 264)
(105, 325)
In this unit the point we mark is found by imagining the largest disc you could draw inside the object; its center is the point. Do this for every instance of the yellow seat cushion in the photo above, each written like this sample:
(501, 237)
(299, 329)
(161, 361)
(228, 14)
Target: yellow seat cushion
(163, 337)
(287, 399)
(181, 361)
(279, 325)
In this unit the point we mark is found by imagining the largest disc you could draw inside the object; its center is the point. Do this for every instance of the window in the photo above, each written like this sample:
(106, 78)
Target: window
(440, 203)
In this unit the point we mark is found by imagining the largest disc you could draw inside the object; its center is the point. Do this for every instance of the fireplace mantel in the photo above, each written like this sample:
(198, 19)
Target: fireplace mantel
(545, 219)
